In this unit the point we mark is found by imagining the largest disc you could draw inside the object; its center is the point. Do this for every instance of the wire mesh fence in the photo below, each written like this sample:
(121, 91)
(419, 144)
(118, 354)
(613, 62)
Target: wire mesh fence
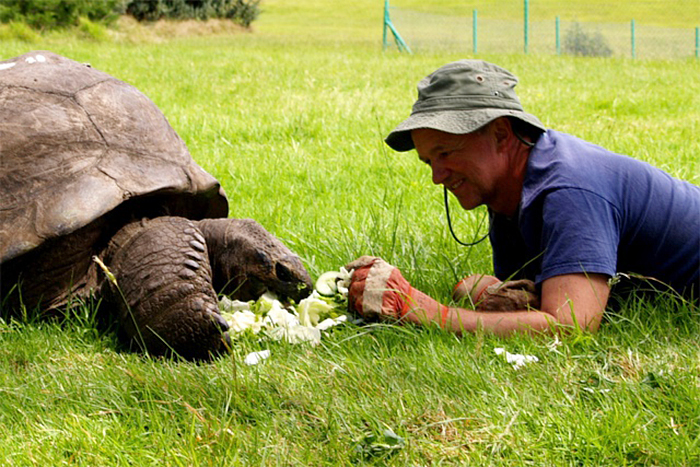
(554, 32)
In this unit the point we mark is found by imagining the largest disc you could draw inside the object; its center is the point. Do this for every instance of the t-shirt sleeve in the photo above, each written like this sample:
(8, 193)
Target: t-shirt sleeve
(580, 234)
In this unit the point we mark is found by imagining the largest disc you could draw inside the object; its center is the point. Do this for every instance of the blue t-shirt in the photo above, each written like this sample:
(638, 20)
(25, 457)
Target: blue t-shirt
(586, 209)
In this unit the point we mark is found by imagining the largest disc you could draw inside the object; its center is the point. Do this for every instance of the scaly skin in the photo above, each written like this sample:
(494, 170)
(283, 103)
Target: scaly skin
(162, 271)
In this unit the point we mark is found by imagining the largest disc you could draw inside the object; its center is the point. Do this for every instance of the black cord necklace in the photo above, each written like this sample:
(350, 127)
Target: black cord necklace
(449, 223)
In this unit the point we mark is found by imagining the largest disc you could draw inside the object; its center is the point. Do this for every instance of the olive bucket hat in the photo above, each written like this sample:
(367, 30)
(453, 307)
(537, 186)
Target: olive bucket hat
(459, 98)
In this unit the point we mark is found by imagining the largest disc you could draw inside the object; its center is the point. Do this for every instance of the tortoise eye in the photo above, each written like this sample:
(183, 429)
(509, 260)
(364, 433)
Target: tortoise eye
(283, 273)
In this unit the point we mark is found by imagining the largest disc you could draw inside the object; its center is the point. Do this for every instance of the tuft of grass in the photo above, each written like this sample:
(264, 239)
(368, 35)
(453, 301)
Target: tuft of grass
(91, 30)
(17, 30)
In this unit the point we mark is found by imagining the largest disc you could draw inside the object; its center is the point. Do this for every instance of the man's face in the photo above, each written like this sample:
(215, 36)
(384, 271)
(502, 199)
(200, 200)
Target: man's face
(468, 165)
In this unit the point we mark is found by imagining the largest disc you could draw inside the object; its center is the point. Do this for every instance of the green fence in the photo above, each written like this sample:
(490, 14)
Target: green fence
(528, 28)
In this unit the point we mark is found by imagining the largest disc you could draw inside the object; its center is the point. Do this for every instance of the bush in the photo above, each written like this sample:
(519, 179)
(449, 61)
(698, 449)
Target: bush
(52, 14)
(585, 44)
(243, 12)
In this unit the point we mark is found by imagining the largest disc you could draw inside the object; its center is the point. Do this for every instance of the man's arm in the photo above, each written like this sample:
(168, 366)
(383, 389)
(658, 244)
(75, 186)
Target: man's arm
(569, 300)
(576, 299)
(379, 291)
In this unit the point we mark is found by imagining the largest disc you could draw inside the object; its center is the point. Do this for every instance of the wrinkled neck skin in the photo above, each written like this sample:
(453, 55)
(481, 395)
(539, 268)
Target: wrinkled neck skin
(228, 274)
(511, 183)
(247, 261)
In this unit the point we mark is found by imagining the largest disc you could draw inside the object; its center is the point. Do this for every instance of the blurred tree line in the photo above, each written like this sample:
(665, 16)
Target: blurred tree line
(53, 14)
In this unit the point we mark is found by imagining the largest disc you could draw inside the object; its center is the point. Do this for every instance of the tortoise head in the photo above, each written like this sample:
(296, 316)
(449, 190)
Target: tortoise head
(247, 261)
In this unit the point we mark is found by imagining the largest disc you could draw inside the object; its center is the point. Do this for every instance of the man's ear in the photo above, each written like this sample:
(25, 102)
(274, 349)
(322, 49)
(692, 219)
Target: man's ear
(502, 131)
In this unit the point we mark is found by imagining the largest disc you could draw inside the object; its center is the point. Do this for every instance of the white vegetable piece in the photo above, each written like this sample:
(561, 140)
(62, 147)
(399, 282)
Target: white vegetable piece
(296, 334)
(330, 322)
(267, 302)
(256, 357)
(242, 320)
(312, 308)
(344, 282)
(332, 282)
(327, 283)
(517, 360)
(280, 317)
(226, 304)
(302, 323)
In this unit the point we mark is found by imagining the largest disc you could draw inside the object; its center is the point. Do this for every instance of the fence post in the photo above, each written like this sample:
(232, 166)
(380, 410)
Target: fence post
(557, 36)
(526, 26)
(634, 44)
(697, 42)
(474, 35)
(385, 22)
(402, 46)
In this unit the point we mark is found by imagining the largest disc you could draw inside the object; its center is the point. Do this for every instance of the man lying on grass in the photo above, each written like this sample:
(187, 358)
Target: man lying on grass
(566, 215)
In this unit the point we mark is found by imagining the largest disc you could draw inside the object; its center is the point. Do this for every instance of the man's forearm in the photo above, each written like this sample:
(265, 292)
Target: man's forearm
(570, 301)
(502, 323)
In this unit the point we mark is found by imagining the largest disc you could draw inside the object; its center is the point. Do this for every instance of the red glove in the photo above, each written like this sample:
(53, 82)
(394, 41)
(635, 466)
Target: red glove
(379, 291)
(487, 293)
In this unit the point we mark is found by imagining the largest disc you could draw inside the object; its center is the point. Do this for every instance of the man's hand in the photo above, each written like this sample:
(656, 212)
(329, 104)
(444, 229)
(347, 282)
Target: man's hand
(379, 291)
(487, 293)
(571, 300)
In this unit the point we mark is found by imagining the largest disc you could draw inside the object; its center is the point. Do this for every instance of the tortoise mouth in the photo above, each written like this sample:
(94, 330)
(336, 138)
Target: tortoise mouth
(252, 288)
(294, 291)
(246, 289)
(286, 292)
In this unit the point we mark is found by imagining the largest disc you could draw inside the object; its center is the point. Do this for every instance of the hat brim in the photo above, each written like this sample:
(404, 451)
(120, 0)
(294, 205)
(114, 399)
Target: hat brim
(451, 121)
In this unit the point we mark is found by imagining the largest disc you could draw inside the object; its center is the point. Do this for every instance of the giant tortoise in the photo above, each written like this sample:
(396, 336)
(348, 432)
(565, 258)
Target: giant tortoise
(95, 184)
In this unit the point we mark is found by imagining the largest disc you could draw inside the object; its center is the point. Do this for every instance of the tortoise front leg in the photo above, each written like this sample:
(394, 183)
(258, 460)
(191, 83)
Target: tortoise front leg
(165, 302)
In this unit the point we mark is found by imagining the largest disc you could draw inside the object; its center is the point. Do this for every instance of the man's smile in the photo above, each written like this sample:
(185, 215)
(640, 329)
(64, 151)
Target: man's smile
(456, 185)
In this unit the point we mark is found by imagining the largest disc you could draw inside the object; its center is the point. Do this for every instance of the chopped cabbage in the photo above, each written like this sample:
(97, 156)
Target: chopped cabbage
(239, 321)
(313, 310)
(294, 324)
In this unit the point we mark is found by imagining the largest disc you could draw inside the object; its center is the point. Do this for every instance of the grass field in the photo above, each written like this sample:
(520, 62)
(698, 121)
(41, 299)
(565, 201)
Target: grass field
(291, 118)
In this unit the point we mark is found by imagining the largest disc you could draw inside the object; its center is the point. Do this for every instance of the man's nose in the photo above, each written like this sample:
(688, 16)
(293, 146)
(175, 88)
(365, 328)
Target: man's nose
(440, 173)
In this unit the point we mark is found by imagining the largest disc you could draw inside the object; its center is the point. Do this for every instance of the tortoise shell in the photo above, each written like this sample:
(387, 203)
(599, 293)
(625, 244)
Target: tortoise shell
(76, 144)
